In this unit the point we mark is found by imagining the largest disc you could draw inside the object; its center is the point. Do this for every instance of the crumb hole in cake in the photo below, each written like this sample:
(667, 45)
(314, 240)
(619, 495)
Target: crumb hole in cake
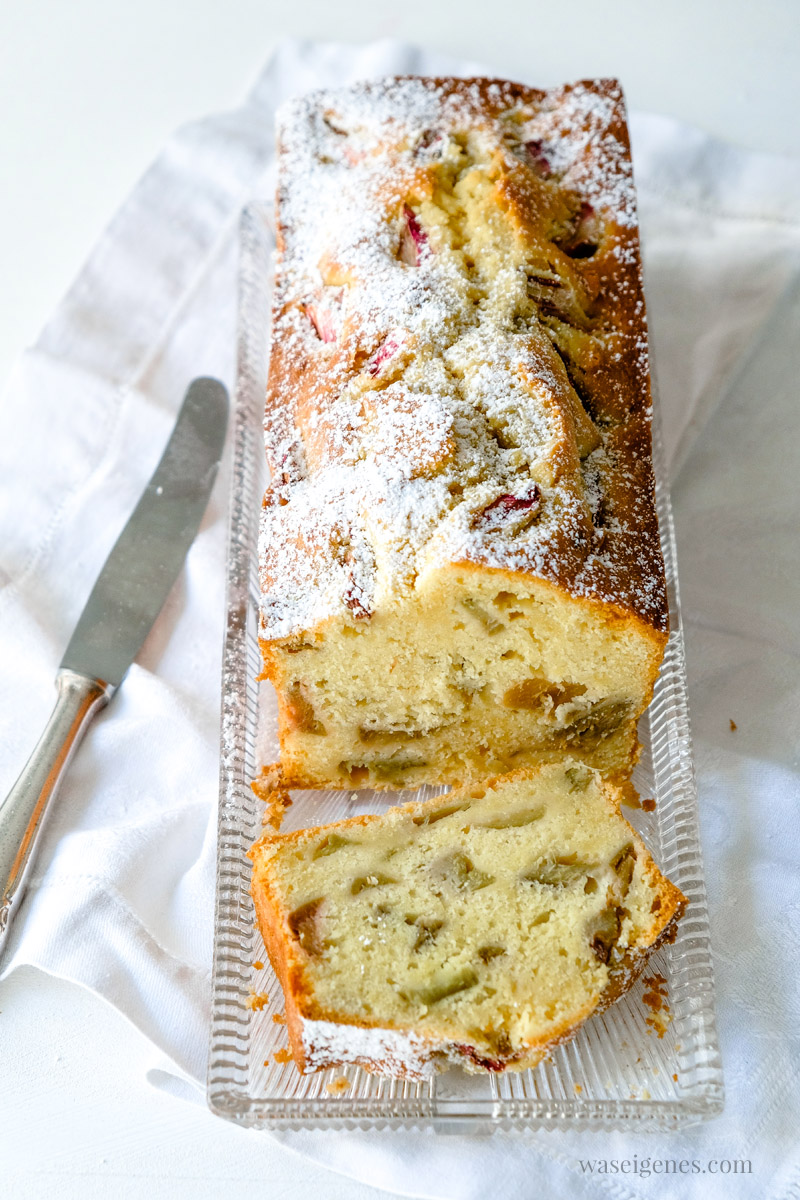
(355, 775)
(500, 433)
(474, 607)
(505, 599)
(582, 250)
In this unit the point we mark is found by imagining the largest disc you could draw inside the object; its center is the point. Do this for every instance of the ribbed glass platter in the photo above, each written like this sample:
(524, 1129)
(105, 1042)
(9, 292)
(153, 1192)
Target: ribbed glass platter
(650, 1061)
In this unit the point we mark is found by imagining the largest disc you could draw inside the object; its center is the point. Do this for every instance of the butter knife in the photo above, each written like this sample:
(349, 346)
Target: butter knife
(126, 599)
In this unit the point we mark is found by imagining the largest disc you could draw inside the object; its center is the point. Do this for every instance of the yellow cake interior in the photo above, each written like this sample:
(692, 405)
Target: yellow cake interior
(472, 674)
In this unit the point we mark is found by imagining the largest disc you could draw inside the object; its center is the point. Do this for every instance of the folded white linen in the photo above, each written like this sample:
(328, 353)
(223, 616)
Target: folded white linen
(122, 896)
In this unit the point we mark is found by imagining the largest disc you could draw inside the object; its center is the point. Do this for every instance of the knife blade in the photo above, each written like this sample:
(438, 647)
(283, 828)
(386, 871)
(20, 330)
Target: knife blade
(126, 599)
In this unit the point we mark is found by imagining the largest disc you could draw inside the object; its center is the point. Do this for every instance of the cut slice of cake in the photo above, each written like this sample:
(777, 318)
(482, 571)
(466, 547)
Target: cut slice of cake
(480, 928)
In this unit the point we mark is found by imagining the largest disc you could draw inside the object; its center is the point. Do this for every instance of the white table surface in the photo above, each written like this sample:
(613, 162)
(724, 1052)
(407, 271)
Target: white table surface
(88, 91)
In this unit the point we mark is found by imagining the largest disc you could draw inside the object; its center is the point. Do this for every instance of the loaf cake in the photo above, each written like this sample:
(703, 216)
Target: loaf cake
(460, 565)
(478, 928)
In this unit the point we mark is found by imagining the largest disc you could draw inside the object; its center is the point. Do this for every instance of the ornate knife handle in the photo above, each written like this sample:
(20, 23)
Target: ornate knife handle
(23, 811)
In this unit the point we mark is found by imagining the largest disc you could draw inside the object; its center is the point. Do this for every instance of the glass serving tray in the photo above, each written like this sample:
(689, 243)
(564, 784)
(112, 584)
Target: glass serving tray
(636, 1065)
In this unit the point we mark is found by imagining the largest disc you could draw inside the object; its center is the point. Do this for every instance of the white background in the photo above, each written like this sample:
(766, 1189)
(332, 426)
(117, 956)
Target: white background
(88, 92)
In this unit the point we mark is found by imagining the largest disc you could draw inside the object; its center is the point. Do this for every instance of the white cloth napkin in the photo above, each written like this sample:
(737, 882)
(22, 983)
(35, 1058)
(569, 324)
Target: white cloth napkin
(122, 897)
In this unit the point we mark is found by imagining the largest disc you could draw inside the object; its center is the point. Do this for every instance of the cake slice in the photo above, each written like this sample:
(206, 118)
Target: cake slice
(481, 927)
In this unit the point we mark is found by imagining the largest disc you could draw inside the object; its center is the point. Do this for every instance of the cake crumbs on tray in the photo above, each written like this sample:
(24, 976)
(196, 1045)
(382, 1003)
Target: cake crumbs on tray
(279, 1018)
(258, 965)
(578, 1089)
(649, 805)
(283, 1056)
(257, 1000)
(337, 1087)
(656, 1000)
(630, 796)
(269, 780)
(733, 725)
(269, 788)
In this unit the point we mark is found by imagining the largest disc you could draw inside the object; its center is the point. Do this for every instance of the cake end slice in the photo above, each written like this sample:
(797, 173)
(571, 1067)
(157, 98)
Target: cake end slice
(479, 928)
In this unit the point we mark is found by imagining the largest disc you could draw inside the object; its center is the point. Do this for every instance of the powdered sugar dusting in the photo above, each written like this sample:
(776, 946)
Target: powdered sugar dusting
(401, 1053)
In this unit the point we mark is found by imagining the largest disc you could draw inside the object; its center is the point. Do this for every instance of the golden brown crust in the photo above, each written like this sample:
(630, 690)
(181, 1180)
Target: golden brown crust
(280, 949)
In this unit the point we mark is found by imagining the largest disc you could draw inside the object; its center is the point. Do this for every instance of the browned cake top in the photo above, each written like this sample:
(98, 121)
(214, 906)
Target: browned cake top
(459, 362)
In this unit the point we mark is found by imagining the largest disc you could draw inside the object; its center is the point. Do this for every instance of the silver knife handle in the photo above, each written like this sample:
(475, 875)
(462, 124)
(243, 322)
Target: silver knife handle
(23, 811)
